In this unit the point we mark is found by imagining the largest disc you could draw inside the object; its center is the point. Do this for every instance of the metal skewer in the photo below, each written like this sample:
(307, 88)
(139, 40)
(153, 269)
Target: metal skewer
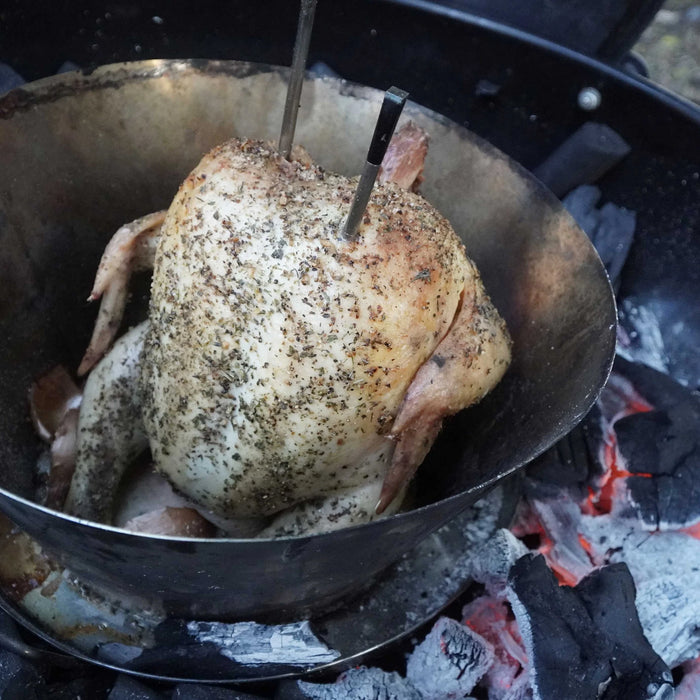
(392, 106)
(296, 78)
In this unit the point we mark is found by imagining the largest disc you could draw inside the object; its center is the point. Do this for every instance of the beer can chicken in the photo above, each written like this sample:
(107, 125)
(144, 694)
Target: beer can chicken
(285, 374)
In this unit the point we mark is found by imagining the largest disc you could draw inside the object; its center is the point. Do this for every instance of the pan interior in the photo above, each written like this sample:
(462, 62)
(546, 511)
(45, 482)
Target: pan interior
(82, 155)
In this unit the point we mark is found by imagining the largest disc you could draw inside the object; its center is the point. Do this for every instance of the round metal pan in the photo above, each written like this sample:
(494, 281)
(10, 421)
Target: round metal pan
(81, 154)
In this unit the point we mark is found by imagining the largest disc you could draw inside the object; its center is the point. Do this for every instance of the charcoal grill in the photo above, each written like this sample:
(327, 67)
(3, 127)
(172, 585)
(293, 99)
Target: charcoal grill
(490, 78)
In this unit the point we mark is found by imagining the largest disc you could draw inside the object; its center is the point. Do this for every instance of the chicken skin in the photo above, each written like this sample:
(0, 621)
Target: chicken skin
(287, 372)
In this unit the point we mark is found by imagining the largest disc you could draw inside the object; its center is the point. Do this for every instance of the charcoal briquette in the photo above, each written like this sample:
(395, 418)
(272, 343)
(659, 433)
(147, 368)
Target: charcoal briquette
(19, 678)
(449, 662)
(128, 688)
(662, 447)
(360, 682)
(585, 639)
(194, 691)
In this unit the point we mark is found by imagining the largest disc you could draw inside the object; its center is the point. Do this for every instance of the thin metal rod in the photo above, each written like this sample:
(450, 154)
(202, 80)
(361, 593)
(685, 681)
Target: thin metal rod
(359, 202)
(296, 78)
(392, 106)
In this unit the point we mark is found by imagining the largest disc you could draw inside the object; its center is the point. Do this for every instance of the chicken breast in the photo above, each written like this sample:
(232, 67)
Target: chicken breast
(283, 364)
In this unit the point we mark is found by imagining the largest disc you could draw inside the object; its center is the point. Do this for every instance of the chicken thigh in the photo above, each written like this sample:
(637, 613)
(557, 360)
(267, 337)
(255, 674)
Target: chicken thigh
(288, 372)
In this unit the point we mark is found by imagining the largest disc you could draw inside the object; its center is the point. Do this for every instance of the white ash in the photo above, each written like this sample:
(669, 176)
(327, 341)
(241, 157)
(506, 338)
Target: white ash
(492, 561)
(644, 341)
(519, 689)
(254, 644)
(665, 567)
(478, 532)
(614, 401)
(362, 684)
(508, 678)
(525, 629)
(561, 520)
(453, 551)
(449, 662)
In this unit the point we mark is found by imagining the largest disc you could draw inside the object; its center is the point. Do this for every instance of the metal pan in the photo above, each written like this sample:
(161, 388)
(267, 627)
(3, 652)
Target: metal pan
(81, 154)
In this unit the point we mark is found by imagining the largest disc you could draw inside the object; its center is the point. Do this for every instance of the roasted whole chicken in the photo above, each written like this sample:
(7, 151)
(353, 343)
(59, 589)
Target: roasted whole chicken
(285, 374)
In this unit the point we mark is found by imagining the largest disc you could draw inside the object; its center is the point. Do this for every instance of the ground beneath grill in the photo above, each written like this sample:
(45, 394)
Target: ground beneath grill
(670, 46)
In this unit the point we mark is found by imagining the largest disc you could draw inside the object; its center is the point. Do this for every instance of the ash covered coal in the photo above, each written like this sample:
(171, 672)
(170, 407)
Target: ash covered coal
(361, 682)
(689, 687)
(658, 388)
(127, 688)
(584, 642)
(642, 512)
(666, 570)
(660, 333)
(508, 677)
(573, 463)
(494, 559)
(556, 518)
(449, 662)
(659, 450)
(183, 648)
(610, 227)
(638, 450)
(251, 643)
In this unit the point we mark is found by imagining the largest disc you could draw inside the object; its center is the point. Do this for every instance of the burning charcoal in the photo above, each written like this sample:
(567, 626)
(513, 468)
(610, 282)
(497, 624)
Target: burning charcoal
(360, 682)
(560, 518)
(449, 662)
(508, 676)
(662, 447)
(573, 463)
(126, 688)
(619, 398)
(610, 228)
(189, 691)
(689, 687)
(583, 158)
(658, 388)
(587, 639)
(556, 518)
(666, 571)
(493, 560)
(609, 597)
